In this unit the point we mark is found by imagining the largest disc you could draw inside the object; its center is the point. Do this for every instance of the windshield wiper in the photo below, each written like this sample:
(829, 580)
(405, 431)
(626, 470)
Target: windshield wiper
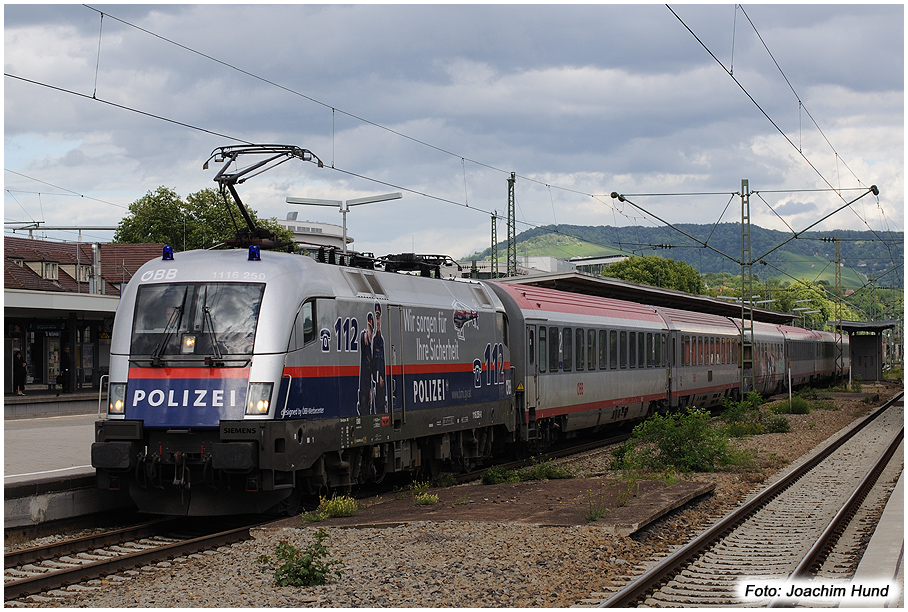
(172, 326)
(212, 336)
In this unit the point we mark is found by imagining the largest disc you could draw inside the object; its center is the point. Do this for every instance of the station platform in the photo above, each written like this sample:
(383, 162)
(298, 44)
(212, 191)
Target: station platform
(47, 473)
(40, 401)
(884, 560)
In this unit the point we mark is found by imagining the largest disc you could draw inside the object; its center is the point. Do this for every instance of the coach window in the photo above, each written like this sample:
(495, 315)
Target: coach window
(603, 349)
(581, 353)
(542, 353)
(650, 353)
(613, 350)
(554, 342)
(567, 352)
(622, 350)
(591, 349)
(685, 350)
(633, 350)
(531, 345)
(660, 350)
(641, 350)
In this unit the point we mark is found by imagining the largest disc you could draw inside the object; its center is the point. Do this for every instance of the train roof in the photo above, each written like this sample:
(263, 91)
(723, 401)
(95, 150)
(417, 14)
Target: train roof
(530, 298)
(694, 321)
(576, 282)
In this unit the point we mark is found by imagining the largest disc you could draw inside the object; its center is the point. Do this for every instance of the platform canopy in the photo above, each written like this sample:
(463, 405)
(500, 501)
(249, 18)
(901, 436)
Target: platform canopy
(870, 327)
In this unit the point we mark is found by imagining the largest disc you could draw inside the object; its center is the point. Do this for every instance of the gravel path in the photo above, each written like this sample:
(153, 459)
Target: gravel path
(455, 563)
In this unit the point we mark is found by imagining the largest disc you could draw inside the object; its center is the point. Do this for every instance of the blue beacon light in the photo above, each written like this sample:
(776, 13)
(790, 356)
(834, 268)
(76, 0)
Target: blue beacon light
(254, 253)
(168, 253)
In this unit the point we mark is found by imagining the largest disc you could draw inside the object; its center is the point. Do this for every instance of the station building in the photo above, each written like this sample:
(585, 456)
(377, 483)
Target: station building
(308, 234)
(59, 294)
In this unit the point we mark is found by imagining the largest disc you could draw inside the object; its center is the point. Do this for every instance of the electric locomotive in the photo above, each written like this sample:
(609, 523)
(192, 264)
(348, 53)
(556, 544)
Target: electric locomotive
(240, 382)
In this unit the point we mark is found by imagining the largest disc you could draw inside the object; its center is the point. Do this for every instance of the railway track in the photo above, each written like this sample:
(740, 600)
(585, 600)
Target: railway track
(782, 533)
(54, 566)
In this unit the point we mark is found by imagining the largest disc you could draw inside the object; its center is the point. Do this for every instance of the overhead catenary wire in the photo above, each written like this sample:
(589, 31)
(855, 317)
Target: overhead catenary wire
(765, 114)
(359, 118)
(334, 109)
(554, 230)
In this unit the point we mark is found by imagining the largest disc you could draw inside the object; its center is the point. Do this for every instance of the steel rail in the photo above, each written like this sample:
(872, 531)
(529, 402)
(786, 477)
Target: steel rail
(86, 543)
(842, 517)
(56, 579)
(670, 566)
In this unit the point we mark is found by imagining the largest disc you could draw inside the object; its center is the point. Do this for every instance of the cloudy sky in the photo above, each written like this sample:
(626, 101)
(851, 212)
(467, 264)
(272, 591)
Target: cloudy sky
(442, 103)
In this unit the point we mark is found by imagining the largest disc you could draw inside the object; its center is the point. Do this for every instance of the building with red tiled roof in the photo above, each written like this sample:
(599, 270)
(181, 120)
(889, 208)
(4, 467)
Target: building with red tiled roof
(64, 294)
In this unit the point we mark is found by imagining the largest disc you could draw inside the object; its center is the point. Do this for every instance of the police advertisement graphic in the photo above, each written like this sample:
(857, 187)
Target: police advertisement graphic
(441, 360)
(190, 397)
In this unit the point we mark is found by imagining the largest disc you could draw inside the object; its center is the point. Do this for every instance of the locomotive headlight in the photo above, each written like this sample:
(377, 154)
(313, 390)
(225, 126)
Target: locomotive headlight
(116, 398)
(259, 398)
(188, 345)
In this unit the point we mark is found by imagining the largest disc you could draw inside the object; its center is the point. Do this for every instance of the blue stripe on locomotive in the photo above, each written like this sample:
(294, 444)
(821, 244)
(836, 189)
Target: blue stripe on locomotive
(327, 397)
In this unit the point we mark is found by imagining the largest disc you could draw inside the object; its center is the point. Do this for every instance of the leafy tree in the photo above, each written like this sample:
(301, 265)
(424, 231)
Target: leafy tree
(201, 221)
(658, 272)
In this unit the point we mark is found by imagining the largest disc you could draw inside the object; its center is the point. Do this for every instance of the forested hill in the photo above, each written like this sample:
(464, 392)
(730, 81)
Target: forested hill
(864, 253)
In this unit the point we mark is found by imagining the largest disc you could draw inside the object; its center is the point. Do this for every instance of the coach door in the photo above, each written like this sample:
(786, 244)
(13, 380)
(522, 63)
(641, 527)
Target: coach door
(532, 371)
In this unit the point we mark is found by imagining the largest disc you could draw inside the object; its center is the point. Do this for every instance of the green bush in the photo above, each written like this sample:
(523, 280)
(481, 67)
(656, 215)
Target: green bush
(308, 567)
(742, 429)
(425, 499)
(540, 470)
(742, 410)
(421, 495)
(776, 423)
(497, 475)
(799, 405)
(445, 479)
(336, 506)
(809, 393)
(544, 470)
(685, 441)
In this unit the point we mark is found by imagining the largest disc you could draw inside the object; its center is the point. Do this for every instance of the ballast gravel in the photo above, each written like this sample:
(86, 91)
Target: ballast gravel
(452, 563)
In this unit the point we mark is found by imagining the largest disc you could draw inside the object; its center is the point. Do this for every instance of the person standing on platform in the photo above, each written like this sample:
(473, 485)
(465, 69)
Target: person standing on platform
(20, 371)
(66, 364)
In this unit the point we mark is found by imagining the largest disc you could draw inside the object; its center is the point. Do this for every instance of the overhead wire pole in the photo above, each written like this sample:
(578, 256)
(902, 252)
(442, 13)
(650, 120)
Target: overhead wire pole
(839, 296)
(512, 224)
(495, 244)
(747, 319)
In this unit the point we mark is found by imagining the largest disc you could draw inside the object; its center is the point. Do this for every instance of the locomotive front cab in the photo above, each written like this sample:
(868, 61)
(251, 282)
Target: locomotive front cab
(183, 365)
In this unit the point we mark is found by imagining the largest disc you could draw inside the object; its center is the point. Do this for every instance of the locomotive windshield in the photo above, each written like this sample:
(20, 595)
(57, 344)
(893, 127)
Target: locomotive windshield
(196, 320)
